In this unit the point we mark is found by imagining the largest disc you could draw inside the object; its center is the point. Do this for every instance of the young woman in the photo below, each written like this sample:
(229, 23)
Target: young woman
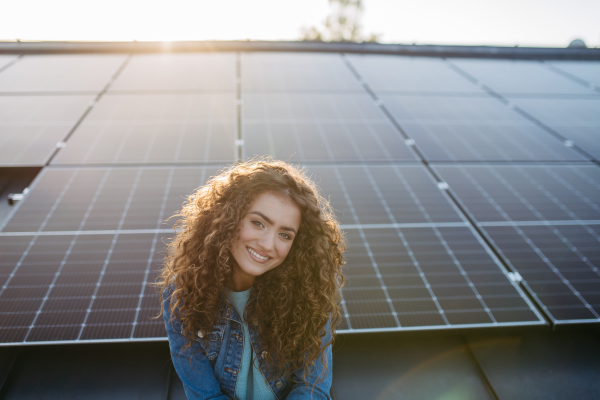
(251, 286)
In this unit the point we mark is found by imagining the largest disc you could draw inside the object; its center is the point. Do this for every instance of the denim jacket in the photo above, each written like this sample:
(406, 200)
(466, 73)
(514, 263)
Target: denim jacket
(210, 371)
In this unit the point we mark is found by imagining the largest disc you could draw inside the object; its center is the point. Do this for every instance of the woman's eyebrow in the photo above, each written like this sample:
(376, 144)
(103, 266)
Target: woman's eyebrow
(263, 216)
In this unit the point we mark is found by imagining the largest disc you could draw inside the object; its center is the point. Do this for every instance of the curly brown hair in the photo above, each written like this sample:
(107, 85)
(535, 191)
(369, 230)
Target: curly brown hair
(293, 302)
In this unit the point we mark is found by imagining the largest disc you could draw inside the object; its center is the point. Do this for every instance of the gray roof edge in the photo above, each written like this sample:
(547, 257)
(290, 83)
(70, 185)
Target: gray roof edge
(545, 53)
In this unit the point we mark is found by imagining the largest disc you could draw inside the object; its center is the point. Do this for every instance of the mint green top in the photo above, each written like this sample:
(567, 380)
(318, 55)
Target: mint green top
(251, 383)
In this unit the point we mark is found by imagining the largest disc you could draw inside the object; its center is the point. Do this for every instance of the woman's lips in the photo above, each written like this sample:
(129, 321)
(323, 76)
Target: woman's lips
(257, 256)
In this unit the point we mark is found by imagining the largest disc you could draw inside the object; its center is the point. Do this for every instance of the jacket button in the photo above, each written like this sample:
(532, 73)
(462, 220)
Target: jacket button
(279, 385)
(254, 321)
(200, 334)
(264, 354)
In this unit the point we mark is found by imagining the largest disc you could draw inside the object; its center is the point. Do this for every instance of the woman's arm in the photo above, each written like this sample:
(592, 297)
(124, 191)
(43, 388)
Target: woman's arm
(304, 390)
(192, 365)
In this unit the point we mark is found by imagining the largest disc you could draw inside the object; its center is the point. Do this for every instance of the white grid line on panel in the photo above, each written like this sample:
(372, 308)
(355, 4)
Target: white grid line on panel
(68, 252)
(102, 232)
(338, 331)
(112, 246)
(541, 223)
(342, 226)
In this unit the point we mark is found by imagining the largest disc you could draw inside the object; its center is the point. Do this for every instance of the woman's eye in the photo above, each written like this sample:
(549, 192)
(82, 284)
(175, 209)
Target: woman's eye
(285, 236)
(258, 223)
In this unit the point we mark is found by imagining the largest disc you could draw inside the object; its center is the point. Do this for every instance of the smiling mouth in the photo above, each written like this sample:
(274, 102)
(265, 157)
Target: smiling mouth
(256, 256)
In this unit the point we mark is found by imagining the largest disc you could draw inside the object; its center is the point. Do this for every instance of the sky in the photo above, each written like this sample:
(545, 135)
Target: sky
(547, 23)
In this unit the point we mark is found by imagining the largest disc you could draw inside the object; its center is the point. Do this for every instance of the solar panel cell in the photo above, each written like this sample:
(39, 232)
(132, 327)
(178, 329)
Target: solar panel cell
(519, 77)
(588, 71)
(178, 72)
(61, 73)
(32, 126)
(155, 129)
(296, 72)
(564, 280)
(410, 74)
(526, 193)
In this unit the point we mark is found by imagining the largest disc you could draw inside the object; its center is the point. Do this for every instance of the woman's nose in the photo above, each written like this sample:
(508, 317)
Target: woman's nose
(266, 242)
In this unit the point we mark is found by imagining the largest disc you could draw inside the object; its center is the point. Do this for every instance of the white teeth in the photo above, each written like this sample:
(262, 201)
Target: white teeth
(255, 254)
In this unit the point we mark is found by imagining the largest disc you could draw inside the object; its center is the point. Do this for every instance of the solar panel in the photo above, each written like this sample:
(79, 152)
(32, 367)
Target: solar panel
(31, 126)
(515, 77)
(78, 251)
(80, 287)
(543, 220)
(384, 194)
(300, 72)
(474, 129)
(526, 193)
(167, 128)
(212, 72)
(466, 110)
(410, 75)
(560, 264)
(588, 71)
(104, 199)
(60, 73)
(430, 277)
(320, 127)
(577, 120)
(475, 142)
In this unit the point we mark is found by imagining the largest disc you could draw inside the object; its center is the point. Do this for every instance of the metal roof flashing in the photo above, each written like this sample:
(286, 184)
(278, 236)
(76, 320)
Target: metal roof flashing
(539, 53)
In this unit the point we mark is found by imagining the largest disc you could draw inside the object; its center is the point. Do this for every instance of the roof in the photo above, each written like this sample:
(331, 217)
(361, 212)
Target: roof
(468, 188)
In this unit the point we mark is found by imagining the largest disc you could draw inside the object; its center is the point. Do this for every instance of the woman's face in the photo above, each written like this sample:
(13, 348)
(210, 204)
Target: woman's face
(266, 234)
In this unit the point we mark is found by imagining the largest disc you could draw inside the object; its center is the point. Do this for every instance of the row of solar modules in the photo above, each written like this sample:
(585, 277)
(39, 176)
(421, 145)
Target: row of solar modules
(78, 251)
(160, 110)
(414, 261)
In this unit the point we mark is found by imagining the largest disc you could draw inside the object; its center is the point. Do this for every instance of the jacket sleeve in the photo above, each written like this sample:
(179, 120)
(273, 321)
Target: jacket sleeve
(192, 365)
(304, 390)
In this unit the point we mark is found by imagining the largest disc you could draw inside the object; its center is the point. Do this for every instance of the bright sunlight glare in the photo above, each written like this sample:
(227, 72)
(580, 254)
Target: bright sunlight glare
(468, 22)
